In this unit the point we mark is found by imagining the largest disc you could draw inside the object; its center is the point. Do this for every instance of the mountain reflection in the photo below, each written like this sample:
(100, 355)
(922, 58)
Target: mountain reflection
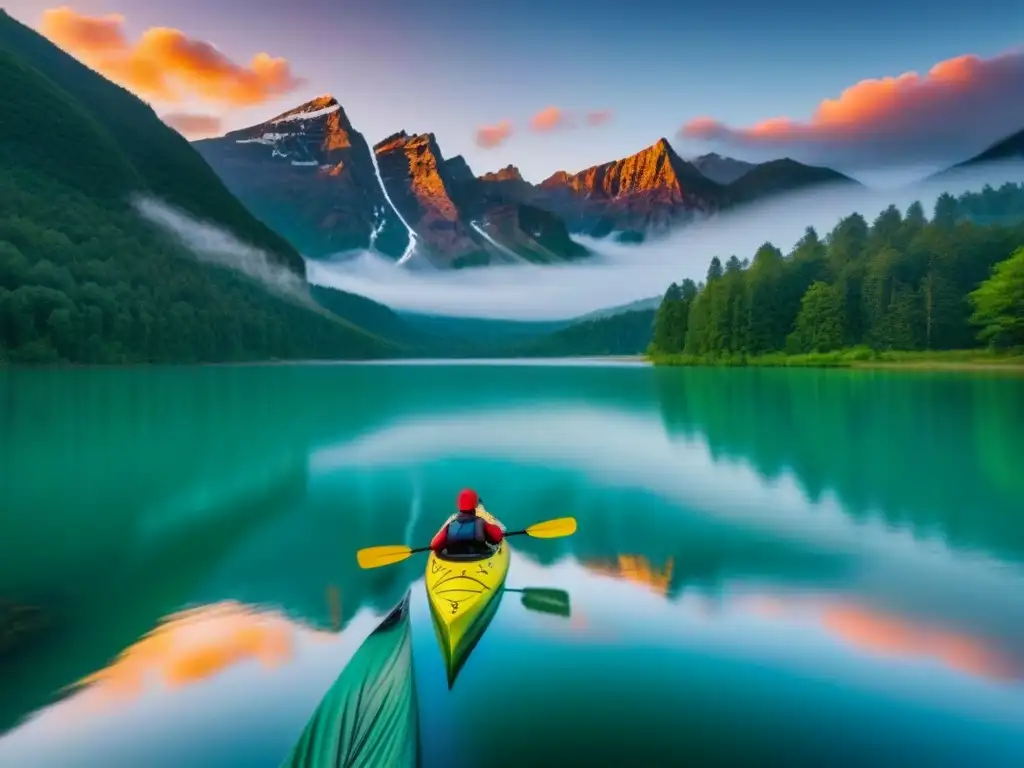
(635, 569)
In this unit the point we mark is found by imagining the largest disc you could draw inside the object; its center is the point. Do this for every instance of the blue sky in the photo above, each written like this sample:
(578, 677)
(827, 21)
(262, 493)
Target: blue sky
(450, 66)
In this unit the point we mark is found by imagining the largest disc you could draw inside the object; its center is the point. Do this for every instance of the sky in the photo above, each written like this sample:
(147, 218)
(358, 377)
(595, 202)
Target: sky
(562, 85)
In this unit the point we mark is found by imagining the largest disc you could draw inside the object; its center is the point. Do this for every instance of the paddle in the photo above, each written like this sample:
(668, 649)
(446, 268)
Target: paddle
(389, 554)
(545, 600)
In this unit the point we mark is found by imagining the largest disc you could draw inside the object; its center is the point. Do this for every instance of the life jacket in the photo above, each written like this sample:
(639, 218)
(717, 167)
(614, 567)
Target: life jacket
(466, 536)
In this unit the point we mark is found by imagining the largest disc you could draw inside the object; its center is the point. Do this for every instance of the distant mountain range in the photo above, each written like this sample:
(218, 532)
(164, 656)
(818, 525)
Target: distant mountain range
(311, 176)
(724, 170)
(639, 305)
(1010, 148)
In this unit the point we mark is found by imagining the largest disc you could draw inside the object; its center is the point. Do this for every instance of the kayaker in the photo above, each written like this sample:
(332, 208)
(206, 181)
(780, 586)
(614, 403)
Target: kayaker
(467, 534)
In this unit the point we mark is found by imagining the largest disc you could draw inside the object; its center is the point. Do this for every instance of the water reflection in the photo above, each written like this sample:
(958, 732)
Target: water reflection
(927, 451)
(851, 541)
(172, 697)
(636, 569)
(190, 647)
(785, 672)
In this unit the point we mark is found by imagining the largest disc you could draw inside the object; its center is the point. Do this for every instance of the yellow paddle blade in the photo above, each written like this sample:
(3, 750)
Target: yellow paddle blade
(375, 557)
(553, 529)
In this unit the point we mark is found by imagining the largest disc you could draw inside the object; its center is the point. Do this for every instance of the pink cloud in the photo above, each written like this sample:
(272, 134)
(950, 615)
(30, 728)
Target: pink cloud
(193, 126)
(491, 136)
(955, 109)
(554, 118)
(549, 119)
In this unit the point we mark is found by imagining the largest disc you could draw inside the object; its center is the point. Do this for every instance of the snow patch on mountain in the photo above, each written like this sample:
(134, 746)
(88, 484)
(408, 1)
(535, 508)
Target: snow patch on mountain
(289, 118)
(267, 138)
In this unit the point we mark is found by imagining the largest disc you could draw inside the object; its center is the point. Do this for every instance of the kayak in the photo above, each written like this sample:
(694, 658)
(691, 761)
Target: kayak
(464, 594)
(369, 716)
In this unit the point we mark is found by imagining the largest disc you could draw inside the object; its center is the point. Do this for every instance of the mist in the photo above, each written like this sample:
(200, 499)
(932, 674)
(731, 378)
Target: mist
(214, 244)
(618, 273)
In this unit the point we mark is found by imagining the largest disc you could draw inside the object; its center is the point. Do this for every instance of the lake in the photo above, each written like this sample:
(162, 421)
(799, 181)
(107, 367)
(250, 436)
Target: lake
(802, 567)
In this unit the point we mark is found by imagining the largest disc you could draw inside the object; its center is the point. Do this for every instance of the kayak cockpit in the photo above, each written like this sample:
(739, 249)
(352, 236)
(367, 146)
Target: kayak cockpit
(480, 552)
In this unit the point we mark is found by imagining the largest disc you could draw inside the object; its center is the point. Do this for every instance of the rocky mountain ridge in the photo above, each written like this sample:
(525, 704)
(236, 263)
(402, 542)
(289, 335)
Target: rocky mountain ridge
(310, 175)
(646, 192)
(313, 177)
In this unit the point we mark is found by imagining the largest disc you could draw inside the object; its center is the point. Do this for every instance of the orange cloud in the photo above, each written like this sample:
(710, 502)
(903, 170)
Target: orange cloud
(192, 126)
(548, 119)
(84, 34)
(957, 108)
(491, 136)
(165, 64)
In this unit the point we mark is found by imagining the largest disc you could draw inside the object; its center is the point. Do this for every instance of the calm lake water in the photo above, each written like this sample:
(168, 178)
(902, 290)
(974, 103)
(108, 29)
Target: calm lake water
(790, 567)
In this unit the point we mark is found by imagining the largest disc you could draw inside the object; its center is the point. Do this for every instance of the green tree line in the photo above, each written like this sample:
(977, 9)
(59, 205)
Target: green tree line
(82, 283)
(903, 282)
(626, 333)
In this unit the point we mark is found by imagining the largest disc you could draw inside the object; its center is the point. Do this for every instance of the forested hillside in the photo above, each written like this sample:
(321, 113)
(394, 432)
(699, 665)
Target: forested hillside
(625, 333)
(82, 277)
(903, 282)
(162, 159)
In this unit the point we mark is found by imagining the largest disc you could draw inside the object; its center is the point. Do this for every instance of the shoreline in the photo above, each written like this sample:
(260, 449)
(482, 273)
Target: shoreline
(574, 360)
(961, 361)
(964, 361)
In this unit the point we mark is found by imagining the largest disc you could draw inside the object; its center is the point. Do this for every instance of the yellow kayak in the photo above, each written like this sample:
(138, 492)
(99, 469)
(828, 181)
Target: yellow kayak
(463, 596)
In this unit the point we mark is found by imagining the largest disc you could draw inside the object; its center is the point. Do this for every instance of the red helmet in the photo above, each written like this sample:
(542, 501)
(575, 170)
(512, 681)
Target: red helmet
(468, 500)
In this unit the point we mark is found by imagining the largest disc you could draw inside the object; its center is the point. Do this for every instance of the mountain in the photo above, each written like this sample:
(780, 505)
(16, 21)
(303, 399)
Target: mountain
(647, 191)
(724, 170)
(652, 302)
(508, 182)
(655, 190)
(476, 336)
(458, 169)
(309, 174)
(314, 178)
(83, 278)
(160, 157)
(499, 205)
(778, 176)
(624, 333)
(415, 174)
(1010, 148)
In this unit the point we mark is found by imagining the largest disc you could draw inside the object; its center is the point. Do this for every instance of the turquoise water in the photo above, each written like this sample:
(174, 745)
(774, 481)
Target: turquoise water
(815, 567)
